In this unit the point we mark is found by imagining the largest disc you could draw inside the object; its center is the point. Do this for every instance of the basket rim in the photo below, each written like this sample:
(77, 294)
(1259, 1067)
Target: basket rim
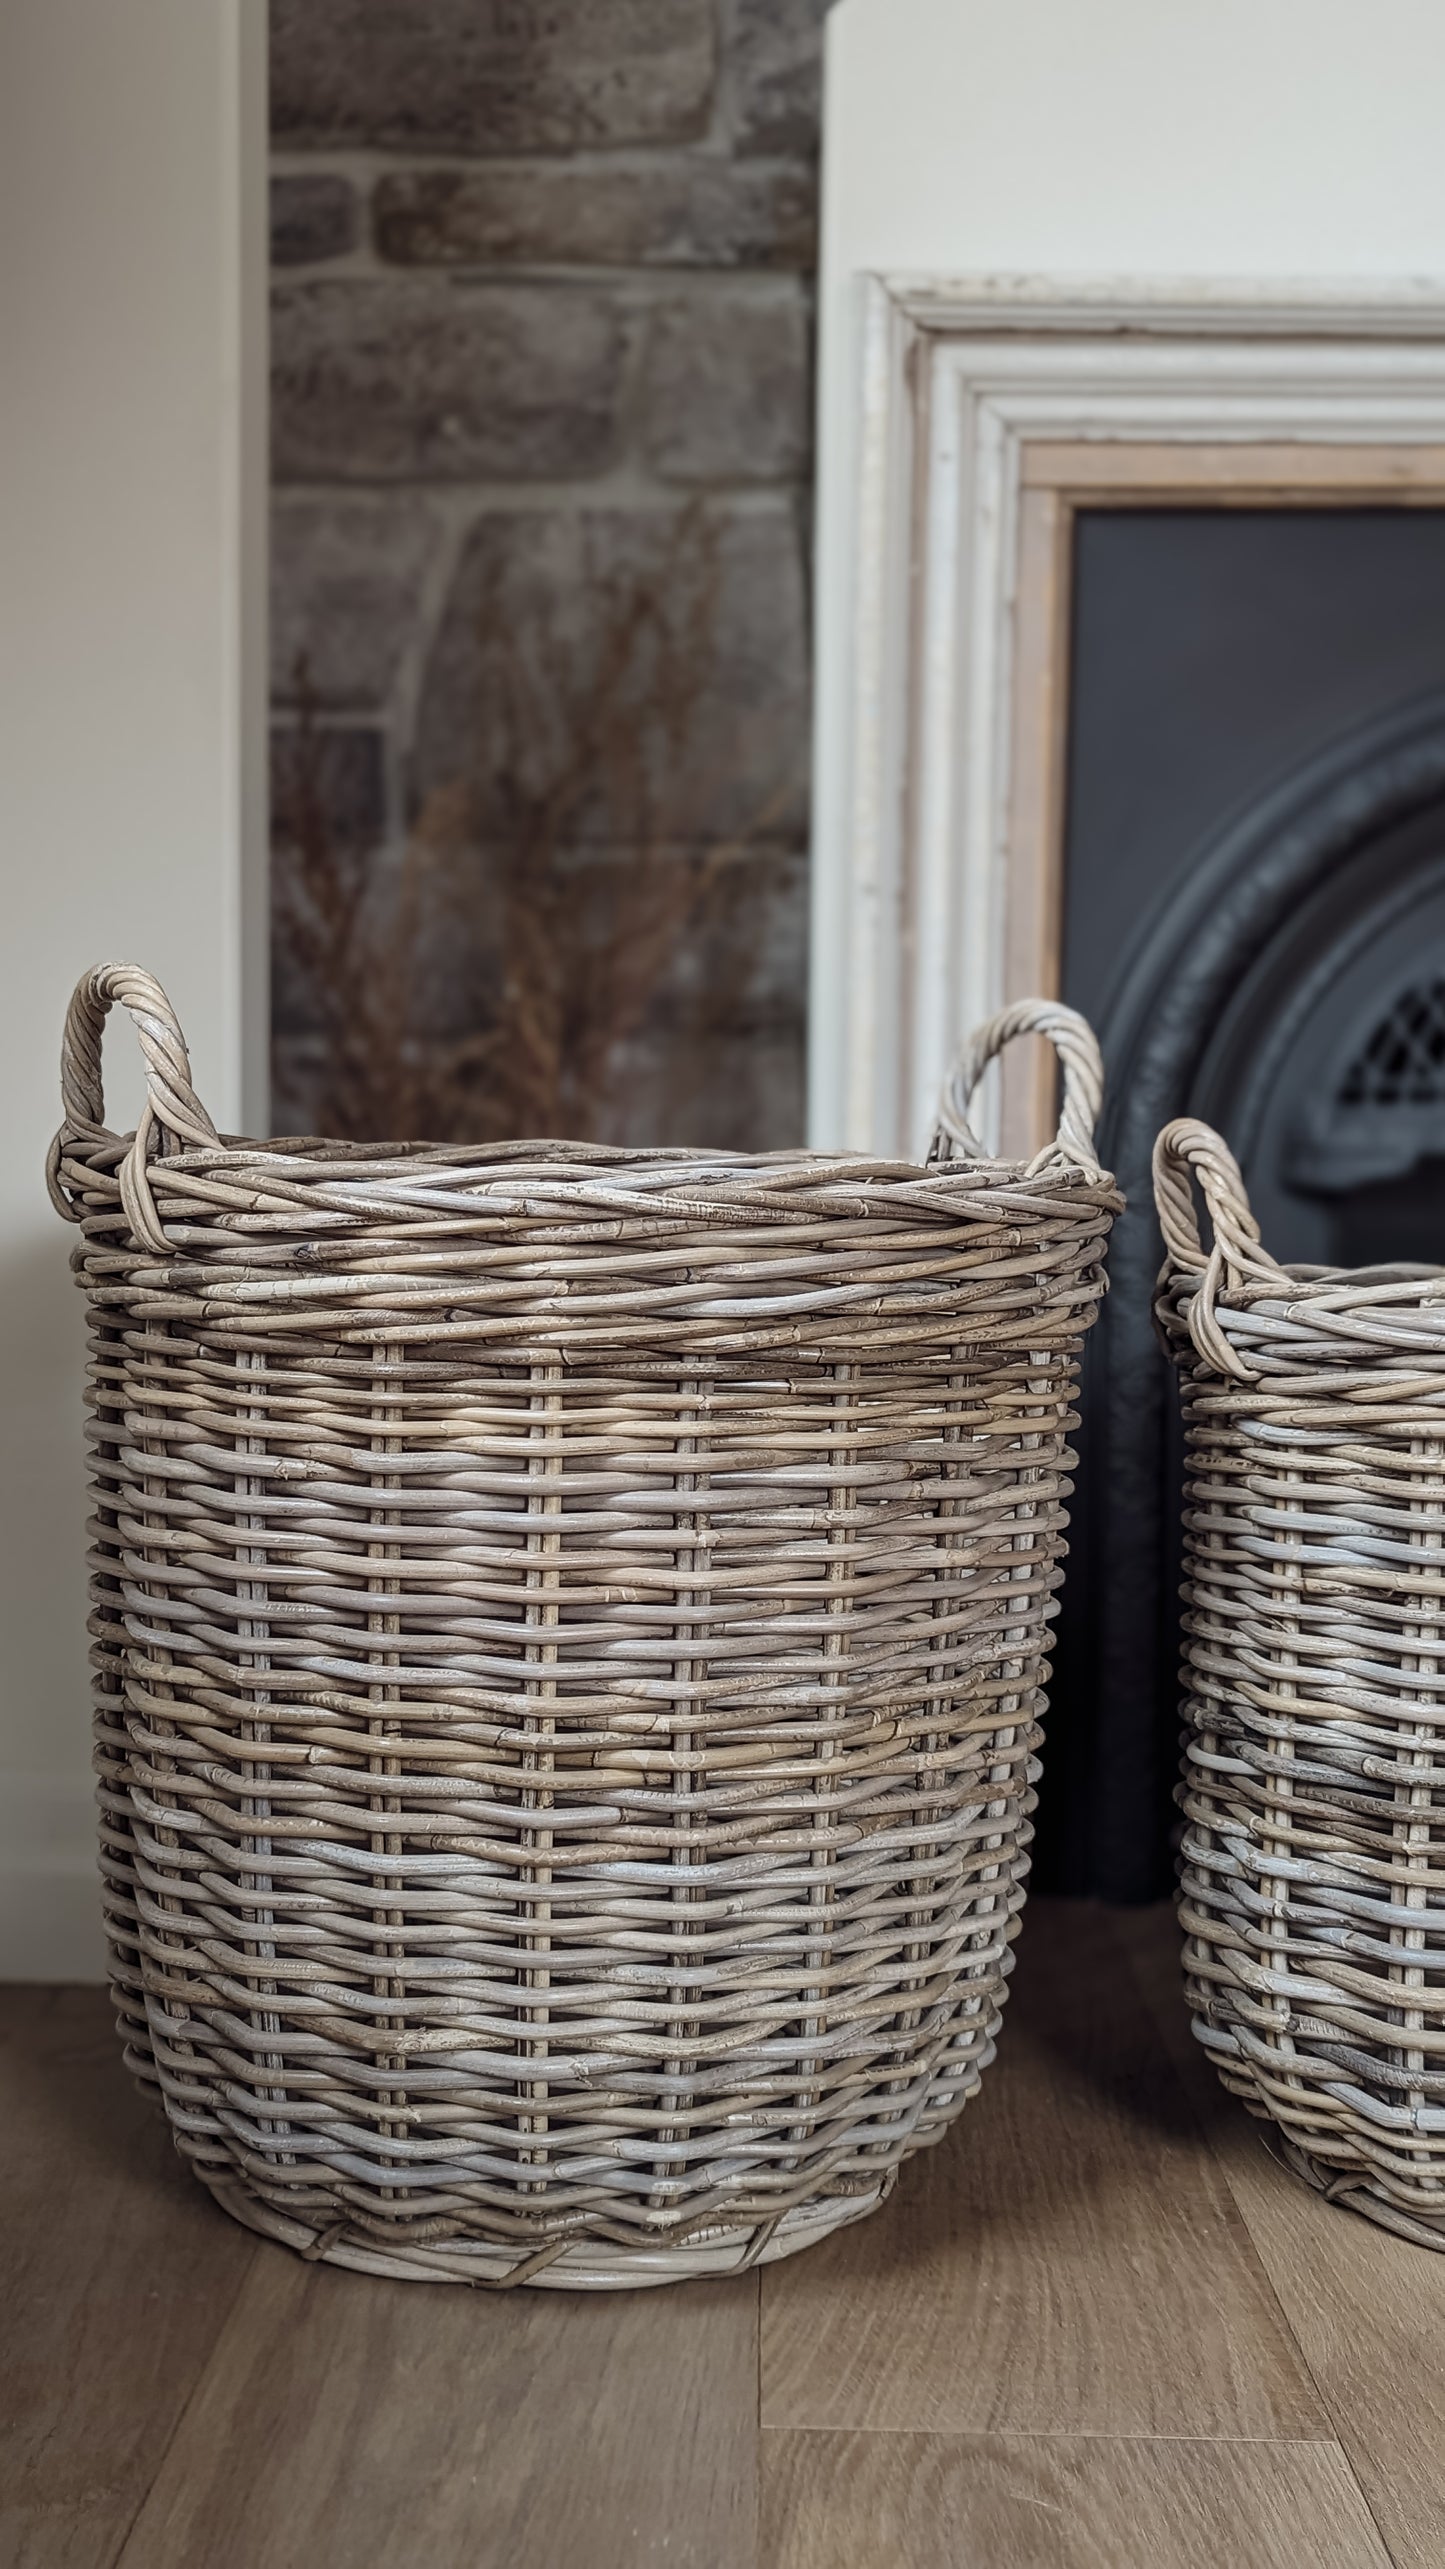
(1401, 1285)
(176, 1145)
(1341, 1327)
(683, 1184)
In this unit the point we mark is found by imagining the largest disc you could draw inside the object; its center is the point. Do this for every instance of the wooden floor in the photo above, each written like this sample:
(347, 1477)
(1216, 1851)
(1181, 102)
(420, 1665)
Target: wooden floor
(1098, 2329)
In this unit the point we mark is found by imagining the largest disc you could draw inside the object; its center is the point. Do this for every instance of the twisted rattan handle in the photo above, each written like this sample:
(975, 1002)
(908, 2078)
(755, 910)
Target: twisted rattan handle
(173, 1114)
(1185, 1151)
(1073, 1040)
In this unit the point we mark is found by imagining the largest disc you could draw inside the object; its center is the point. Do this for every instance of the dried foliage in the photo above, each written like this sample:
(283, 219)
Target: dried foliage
(552, 885)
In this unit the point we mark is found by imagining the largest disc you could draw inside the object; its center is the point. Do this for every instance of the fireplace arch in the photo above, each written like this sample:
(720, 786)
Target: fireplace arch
(1226, 1008)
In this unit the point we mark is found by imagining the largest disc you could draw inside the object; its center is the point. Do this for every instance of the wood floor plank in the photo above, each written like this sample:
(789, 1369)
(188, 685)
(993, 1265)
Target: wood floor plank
(1069, 2260)
(346, 2423)
(1367, 2309)
(116, 2278)
(840, 2501)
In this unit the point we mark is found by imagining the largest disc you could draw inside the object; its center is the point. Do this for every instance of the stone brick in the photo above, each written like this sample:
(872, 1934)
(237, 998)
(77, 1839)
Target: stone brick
(491, 76)
(698, 213)
(776, 57)
(298, 1079)
(327, 780)
(722, 664)
(342, 771)
(313, 216)
(727, 1089)
(347, 580)
(717, 1060)
(411, 378)
(749, 950)
(726, 393)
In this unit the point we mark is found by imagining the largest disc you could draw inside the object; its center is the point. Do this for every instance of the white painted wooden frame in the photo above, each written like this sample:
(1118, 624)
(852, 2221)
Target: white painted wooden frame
(957, 378)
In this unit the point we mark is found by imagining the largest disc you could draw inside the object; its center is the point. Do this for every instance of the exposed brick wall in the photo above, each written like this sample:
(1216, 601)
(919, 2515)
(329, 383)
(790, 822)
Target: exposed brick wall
(543, 294)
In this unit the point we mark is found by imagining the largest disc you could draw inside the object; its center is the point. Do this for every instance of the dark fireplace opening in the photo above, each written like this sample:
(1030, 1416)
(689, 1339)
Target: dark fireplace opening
(1255, 923)
(1409, 1211)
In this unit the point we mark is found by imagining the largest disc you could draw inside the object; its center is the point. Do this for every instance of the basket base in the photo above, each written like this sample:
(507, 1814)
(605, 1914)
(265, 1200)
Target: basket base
(1357, 2195)
(582, 2266)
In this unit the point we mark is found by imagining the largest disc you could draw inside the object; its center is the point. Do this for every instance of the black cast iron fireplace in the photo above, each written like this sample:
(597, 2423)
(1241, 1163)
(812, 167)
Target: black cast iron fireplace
(1255, 921)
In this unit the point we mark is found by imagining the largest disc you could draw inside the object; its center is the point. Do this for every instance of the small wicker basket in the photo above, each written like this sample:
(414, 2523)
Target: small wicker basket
(1313, 1871)
(568, 1632)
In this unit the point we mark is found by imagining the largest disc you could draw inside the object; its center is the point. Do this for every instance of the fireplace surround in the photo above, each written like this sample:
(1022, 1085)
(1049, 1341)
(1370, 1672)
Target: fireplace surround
(1291, 986)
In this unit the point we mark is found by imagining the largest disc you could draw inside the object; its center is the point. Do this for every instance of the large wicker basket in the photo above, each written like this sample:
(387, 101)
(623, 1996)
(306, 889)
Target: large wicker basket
(1313, 1873)
(568, 1639)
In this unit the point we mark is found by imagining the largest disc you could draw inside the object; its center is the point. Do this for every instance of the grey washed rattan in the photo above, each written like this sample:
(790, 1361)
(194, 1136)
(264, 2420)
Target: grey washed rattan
(1313, 1874)
(567, 1630)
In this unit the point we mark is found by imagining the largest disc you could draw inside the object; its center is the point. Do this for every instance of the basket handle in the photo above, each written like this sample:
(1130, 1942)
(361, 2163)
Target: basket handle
(1188, 1151)
(1073, 1040)
(172, 1118)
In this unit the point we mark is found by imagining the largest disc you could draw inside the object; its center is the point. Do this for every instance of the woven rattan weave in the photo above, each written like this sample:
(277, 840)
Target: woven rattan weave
(1313, 1874)
(568, 1630)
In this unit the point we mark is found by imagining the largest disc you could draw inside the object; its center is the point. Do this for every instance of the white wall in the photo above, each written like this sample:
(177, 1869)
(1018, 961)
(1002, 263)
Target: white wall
(1276, 139)
(132, 374)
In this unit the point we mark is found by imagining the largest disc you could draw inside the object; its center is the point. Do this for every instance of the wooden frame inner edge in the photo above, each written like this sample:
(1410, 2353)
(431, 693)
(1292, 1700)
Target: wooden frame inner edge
(1058, 477)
